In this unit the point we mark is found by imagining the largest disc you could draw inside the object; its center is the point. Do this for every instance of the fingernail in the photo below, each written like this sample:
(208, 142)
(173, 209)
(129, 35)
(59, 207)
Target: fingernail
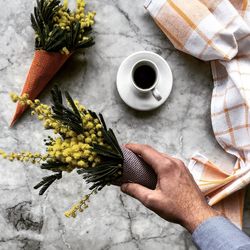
(124, 187)
(129, 145)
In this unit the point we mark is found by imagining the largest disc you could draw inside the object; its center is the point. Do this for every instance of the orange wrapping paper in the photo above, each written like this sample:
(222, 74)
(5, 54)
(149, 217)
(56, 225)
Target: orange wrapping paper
(43, 68)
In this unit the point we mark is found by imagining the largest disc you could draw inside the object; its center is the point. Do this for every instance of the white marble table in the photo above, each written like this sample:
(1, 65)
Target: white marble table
(180, 127)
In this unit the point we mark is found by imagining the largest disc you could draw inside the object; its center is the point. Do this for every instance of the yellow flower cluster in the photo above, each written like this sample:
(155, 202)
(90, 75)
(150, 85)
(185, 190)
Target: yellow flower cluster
(44, 113)
(75, 150)
(71, 149)
(22, 99)
(79, 206)
(65, 18)
(24, 156)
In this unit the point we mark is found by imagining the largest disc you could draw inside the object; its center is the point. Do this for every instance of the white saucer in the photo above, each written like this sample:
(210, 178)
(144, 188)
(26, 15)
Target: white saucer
(127, 91)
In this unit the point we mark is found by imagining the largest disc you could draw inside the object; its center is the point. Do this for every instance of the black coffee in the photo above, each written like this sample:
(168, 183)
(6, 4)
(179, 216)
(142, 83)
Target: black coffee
(144, 76)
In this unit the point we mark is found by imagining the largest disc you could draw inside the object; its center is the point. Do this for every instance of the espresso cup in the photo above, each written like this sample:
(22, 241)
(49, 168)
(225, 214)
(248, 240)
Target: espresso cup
(145, 77)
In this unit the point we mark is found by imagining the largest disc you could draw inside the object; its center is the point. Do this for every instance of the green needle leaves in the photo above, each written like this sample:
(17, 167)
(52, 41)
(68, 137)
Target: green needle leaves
(108, 151)
(59, 29)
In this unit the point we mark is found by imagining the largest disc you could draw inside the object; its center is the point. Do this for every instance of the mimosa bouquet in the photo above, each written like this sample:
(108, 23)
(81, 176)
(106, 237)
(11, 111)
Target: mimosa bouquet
(81, 142)
(59, 32)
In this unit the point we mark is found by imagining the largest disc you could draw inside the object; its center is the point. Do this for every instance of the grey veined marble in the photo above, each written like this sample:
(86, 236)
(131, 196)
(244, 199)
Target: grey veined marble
(180, 127)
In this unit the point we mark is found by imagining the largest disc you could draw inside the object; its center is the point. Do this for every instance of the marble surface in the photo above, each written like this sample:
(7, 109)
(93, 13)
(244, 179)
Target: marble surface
(180, 127)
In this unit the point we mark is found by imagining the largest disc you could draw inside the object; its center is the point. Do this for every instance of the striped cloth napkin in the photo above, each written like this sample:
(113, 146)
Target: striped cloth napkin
(217, 31)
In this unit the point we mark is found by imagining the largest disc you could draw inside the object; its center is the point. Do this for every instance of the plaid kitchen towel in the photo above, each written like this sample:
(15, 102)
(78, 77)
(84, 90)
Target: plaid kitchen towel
(217, 31)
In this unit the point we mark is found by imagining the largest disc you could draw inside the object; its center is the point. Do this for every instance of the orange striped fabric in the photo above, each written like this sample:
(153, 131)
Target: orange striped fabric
(217, 31)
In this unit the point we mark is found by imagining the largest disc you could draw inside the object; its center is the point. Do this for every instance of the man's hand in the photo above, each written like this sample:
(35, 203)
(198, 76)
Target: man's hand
(176, 198)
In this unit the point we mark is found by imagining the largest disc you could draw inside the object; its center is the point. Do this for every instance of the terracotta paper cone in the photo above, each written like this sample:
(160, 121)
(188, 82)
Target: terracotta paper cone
(43, 68)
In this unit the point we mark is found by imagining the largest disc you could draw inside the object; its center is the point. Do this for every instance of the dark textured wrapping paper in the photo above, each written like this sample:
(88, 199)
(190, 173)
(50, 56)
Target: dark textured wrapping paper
(135, 170)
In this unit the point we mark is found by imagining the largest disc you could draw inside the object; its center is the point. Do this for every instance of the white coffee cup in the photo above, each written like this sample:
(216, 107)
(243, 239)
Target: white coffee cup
(152, 88)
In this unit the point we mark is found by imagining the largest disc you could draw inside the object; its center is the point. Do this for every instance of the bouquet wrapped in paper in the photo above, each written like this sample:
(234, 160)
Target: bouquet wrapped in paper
(59, 32)
(81, 142)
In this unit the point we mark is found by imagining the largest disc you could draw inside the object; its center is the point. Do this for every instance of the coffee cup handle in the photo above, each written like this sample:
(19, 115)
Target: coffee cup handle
(156, 94)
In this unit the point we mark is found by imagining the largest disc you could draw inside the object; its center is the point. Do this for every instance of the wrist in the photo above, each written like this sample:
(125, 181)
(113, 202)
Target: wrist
(197, 216)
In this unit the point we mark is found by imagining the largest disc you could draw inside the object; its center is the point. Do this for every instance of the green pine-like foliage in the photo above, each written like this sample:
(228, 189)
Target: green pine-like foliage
(50, 36)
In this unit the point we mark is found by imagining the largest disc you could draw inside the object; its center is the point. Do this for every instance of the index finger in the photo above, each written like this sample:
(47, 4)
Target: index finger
(148, 154)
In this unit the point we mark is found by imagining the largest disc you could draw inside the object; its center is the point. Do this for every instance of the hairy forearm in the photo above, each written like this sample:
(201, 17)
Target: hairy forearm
(198, 214)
